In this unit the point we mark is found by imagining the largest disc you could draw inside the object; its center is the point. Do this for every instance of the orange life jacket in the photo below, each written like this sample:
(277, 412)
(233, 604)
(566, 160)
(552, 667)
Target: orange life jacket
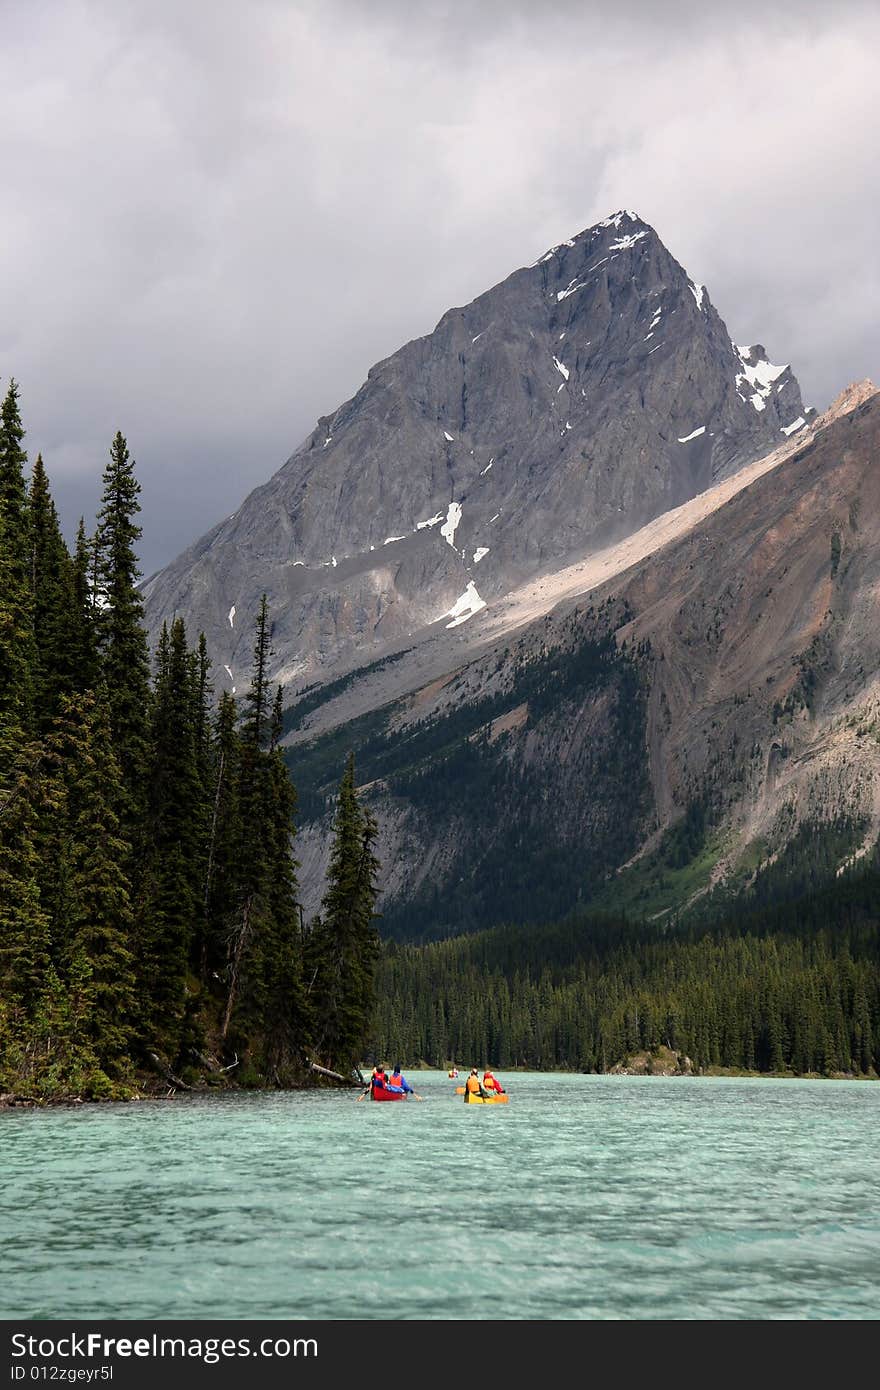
(490, 1083)
(396, 1079)
(473, 1085)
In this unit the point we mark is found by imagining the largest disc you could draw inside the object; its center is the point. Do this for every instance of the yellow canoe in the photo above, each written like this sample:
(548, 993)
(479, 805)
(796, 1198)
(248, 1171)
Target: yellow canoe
(484, 1100)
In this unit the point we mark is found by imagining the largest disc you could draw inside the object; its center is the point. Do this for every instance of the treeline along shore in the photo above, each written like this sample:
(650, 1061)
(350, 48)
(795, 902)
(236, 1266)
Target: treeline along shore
(149, 917)
(790, 989)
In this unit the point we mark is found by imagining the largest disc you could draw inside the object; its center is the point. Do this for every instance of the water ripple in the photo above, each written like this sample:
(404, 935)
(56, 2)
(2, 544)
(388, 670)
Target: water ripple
(587, 1197)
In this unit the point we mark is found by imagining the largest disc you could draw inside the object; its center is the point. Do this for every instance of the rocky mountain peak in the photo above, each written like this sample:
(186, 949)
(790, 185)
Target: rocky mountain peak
(579, 398)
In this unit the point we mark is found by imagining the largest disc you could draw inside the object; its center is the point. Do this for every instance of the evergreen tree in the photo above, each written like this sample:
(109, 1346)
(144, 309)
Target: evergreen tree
(13, 489)
(343, 946)
(251, 922)
(119, 610)
(264, 1001)
(257, 698)
(17, 649)
(285, 1022)
(221, 886)
(99, 913)
(54, 614)
(24, 925)
(25, 940)
(201, 691)
(171, 864)
(82, 627)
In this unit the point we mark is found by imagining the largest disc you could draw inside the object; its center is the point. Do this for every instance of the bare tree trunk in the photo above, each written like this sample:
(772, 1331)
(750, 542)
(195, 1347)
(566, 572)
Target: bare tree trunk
(165, 1070)
(241, 939)
(334, 1075)
(209, 872)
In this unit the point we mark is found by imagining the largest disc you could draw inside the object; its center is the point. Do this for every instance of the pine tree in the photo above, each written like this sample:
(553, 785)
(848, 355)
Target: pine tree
(17, 648)
(343, 947)
(284, 1018)
(99, 913)
(122, 640)
(221, 885)
(201, 691)
(24, 925)
(82, 629)
(13, 489)
(251, 922)
(54, 615)
(171, 863)
(257, 698)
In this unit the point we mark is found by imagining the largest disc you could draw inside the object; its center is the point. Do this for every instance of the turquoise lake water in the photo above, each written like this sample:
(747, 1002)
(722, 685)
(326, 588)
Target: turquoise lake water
(586, 1197)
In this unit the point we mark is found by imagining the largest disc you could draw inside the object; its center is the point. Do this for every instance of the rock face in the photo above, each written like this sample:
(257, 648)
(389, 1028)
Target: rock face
(705, 705)
(559, 411)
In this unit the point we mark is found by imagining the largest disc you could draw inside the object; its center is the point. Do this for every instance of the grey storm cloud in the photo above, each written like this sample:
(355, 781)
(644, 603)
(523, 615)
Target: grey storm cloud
(217, 216)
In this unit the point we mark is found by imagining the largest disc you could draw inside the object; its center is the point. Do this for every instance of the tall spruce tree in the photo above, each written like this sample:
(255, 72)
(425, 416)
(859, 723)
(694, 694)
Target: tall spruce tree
(221, 885)
(83, 634)
(13, 488)
(99, 913)
(285, 1021)
(123, 643)
(256, 725)
(54, 614)
(264, 999)
(171, 862)
(17, 648)
(201, 692)
(245, 1000)
(343, 945)
(24, 925)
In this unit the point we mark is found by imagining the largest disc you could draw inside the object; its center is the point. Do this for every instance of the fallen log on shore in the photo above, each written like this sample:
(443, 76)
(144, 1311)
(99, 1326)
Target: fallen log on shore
(335, 1076)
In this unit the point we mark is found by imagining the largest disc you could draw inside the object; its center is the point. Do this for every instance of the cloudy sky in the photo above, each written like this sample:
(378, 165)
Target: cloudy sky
(216, 216)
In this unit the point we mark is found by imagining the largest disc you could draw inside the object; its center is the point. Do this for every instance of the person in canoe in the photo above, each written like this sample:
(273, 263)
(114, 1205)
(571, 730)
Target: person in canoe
(398, 1082)
(473, 1087)
(491, 1083)
(381, 1081)
(453, 1073)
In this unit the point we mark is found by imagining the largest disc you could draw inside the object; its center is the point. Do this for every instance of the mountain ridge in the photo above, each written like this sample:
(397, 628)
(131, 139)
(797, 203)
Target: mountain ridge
(564, 407)
(751, 637)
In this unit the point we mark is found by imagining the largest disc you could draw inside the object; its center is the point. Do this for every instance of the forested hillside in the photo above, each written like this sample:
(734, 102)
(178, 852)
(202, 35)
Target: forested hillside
(793, 988)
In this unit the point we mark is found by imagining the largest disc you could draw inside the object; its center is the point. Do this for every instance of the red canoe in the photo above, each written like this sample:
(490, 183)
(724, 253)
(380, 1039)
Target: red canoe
(381, 1093)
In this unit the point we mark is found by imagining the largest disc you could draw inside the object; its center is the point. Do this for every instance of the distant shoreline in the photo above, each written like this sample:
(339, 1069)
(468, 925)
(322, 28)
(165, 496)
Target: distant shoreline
(11, 1101)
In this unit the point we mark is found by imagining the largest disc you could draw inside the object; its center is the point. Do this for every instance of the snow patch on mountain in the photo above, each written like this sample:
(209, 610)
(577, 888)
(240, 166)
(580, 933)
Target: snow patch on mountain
(625, 242)
(466, 606)
(453, 517)
(571, 288)
(760, 375)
